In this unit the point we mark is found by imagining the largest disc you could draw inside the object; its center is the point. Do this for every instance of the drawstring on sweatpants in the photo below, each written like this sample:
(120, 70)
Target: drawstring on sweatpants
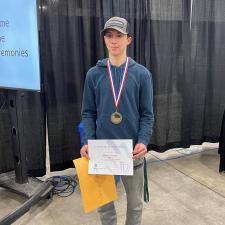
(146, 193)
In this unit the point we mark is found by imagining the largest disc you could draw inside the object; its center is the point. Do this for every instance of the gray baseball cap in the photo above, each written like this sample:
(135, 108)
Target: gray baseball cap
(117, 23)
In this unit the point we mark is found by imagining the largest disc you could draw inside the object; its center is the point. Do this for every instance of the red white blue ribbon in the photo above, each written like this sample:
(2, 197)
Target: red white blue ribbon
(117, 100)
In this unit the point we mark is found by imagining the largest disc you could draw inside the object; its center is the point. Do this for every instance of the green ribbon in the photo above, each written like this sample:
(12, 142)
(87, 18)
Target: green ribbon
(146, 193)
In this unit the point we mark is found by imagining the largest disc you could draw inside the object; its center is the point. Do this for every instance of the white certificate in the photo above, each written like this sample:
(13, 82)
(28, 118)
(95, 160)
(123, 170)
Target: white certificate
(111, 156)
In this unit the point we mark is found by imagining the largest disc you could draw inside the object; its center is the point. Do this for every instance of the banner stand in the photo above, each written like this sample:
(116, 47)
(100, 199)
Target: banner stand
(18, 181)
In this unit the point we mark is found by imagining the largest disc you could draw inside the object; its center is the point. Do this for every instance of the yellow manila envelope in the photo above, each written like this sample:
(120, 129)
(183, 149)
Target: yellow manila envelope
(96, 190)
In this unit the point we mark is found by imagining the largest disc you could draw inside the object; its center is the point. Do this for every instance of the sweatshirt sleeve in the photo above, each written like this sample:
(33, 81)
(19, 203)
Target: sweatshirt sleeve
(146, 110)
(89, 109)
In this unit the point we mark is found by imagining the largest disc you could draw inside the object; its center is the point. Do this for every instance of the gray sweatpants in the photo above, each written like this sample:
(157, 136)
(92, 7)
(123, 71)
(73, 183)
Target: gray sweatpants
(134, 190)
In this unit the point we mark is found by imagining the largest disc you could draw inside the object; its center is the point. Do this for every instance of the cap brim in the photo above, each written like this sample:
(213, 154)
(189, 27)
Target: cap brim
(114, 28)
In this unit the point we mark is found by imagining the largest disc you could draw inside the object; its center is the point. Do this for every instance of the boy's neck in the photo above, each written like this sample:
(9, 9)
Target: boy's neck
(117, 60)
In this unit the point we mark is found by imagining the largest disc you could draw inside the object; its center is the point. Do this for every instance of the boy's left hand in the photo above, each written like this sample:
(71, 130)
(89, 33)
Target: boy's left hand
(139, 151)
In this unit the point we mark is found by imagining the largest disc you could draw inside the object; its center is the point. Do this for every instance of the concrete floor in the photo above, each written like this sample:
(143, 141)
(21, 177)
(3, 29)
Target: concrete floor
(185, 189)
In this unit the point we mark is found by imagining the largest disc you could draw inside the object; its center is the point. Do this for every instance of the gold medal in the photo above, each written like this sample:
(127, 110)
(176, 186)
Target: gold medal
(116, 118)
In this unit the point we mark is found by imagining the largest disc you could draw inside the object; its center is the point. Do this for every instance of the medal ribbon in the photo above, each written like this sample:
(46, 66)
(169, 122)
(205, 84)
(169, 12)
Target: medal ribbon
(117, 101)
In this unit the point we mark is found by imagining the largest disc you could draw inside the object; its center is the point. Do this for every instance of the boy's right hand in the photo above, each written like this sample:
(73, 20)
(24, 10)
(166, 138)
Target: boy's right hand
(84, 152)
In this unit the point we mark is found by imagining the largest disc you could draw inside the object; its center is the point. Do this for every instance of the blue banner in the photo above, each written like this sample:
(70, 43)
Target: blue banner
(19, 51)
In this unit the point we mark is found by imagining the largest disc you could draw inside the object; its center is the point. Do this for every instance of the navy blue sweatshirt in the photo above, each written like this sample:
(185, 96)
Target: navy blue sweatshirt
(135, 104)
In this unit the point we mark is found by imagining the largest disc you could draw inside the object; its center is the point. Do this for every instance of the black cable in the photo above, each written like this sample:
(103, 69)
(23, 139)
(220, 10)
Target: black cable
(64, 186)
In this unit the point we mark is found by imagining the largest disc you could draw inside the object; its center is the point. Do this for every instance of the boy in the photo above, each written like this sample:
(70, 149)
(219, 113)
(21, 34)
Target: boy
(118, 95)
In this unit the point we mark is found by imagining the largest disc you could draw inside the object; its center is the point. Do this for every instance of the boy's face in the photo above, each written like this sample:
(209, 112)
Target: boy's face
(116, 42)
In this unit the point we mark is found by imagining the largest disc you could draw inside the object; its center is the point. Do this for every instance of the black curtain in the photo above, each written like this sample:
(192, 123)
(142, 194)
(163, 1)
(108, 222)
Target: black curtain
(186, 58)
(207, 68)
(169, 61)
(72, 43)
(180, 41)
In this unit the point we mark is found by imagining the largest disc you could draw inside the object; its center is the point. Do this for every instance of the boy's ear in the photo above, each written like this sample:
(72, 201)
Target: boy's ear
(130, 39)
